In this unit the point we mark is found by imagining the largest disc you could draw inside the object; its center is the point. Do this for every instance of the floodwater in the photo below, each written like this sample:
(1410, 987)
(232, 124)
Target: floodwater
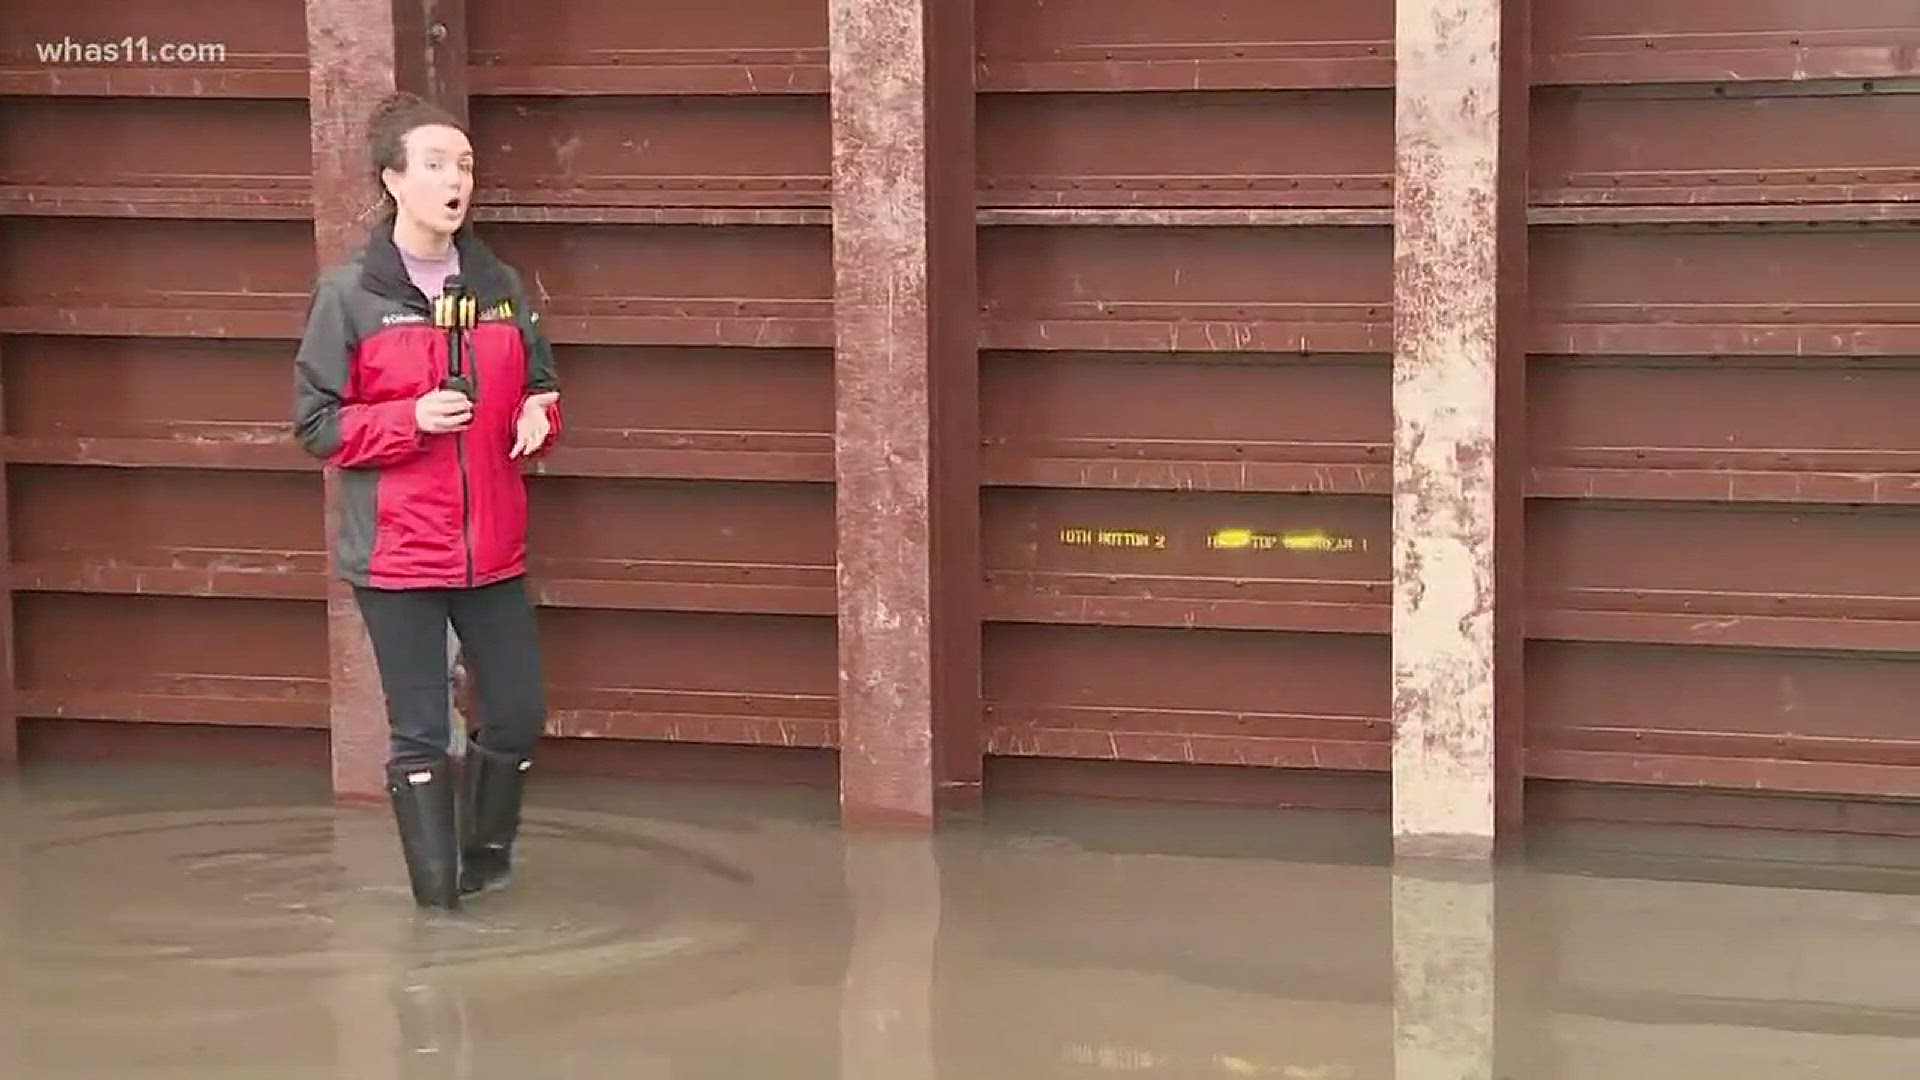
(160, 923)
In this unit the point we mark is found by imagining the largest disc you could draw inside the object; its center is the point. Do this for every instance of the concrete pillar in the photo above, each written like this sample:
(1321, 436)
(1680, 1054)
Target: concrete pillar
(358, 51)
(1458, 404)
(906, 384)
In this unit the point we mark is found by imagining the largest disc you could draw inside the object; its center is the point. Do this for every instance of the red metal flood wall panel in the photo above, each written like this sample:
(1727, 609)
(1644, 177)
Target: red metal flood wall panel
(1724, 283)
(166, 542)
(1185, 275)
(660, 175)
(661, 180)
(1186, 284)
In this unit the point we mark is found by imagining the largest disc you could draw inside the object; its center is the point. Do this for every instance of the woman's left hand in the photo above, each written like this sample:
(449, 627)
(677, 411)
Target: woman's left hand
(534, 427)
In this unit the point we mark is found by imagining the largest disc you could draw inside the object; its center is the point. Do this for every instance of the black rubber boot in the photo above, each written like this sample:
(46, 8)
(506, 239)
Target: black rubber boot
(426, 807)
(495, 782)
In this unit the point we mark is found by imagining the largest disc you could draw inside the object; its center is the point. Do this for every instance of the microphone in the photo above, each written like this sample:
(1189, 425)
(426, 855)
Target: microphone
(456, 311)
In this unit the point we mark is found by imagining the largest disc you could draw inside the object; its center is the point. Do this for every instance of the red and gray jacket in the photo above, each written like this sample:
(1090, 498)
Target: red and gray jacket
(419, 510)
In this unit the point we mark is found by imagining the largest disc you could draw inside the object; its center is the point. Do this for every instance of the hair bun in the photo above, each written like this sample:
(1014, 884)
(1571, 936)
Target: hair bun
(400, 101)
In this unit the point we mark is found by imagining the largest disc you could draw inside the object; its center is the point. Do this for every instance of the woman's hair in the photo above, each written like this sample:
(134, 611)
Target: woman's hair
(387, 127)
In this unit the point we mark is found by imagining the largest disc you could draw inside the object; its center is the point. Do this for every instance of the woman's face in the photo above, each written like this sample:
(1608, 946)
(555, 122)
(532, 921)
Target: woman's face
(437, 186)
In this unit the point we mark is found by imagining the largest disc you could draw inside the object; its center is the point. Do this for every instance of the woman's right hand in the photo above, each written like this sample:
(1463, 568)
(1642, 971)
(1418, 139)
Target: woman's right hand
(443, 412)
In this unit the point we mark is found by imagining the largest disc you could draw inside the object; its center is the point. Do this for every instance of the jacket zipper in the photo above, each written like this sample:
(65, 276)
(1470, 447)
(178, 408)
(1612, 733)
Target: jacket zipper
(472, 373)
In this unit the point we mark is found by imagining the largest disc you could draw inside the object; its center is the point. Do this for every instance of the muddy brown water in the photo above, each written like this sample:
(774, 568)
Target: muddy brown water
(167, 924)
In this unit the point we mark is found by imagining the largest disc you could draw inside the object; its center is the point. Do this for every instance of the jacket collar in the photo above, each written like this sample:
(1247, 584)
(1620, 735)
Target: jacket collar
(384, 274)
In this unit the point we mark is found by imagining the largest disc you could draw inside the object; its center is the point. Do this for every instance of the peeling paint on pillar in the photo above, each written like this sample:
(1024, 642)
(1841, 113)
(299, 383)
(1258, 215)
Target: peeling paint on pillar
(351, 50)
(1453, 190)
(906, 405)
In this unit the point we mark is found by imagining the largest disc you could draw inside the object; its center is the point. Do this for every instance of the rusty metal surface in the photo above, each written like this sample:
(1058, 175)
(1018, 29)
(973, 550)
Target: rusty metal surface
(173, 532)
(1645, 41)
(262, 49)
(906, 407)
(610, 47)
(1185, 320)
(1723, 482)
(171, 659)
(1632, 805)
(1115, 45)
(1635, 400)
(692, 412)
(1128, 558)
(142, 156)
(655, 151)
(1698, 574)
(1674, 282)
(1186, 289)
(1301, 700)
(1100, 420)
(182, 277)
(684, 545)
(761, 287)
(1459, 225)
(694, 677)
(134, 401)
(1699, 144)
(663, 412)
(1696, 428)
(1760, 720)
(132, 578)
(1240, 149)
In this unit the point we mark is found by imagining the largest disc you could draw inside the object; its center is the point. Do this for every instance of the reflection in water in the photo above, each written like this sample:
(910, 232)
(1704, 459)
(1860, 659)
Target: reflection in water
(1443, 974)
(887, 1009)
(13, 990)
(172, 925)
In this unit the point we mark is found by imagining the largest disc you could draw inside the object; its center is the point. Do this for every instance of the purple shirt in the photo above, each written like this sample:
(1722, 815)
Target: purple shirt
(430, 275)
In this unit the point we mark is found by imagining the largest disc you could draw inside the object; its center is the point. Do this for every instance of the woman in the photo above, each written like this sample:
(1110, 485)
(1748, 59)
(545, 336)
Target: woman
(425, 405)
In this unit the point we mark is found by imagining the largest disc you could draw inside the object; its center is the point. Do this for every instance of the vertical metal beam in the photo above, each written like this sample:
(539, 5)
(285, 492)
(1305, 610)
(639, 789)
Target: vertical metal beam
(358, 51)
(444, 70)
(907, 393)
(1458, 403)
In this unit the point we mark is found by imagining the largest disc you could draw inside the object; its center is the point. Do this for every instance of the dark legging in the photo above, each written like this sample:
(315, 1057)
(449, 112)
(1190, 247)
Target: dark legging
(496, 624)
